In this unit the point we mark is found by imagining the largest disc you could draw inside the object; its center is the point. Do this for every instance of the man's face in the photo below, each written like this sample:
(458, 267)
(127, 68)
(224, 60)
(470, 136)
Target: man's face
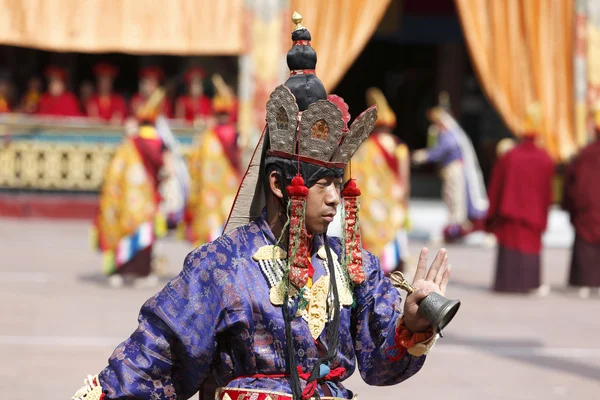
(105, 83)
(321, 204)
(196, 89)
(56, 87)
(148, 86)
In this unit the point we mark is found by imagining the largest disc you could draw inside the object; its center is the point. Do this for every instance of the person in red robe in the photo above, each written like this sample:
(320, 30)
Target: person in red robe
(4, 95)
(581, 199)
(30, 102)
(194, 105)
(105, 104)
(58, 101)
(150, 78)
(520, 195)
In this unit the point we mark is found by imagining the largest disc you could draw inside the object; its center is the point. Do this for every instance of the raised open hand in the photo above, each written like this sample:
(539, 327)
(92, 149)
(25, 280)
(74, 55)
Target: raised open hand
(425, 282)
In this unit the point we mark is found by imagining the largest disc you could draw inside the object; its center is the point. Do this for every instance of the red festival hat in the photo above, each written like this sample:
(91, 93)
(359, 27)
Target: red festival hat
(194, 73)
(152, 72)
(106, 69)
(56, 72)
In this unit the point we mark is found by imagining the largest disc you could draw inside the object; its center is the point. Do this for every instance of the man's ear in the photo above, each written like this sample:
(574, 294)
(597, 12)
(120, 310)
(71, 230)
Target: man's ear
(275, 184)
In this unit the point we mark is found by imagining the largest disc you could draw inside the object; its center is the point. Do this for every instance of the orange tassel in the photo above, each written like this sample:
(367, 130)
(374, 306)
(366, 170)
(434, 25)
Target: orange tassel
(299, 238)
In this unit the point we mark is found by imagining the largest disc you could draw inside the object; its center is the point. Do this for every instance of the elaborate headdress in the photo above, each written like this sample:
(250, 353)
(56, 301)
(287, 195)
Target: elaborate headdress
(307, 134)
(385, 114)
(307, 137)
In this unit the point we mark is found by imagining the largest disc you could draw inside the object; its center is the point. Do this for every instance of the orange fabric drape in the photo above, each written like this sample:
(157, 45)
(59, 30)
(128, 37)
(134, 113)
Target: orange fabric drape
(522, 52)
(182, 27)
(340, 30)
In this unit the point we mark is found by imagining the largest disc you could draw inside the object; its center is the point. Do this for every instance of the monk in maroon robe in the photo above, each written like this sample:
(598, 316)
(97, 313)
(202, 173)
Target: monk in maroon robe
(194, 105)
(58, 101)
(520, 195)
(105, 104)
(150, 78)
(581, 198)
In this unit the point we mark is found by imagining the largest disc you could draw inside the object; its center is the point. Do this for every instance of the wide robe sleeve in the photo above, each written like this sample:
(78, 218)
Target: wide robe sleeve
(378, 309)
(170, 353)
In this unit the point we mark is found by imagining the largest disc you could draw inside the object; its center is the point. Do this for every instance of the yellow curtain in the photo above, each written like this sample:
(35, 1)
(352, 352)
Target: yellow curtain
(182, 27)
(522, 52)
(340, 30)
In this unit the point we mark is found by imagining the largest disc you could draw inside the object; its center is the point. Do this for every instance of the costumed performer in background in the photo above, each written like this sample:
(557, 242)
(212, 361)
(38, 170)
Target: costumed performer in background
(463, 189)
(275, 308)
(129, 219)
(382, 167)
(215, 171)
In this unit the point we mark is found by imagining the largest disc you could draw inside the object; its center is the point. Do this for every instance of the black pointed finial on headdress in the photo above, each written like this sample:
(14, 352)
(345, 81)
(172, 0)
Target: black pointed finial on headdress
(302, 61)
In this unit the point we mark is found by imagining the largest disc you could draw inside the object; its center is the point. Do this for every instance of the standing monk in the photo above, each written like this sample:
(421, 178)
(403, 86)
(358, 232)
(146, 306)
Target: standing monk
(57, 101)
(150, 78)
(214, 166)
(194, 105)
(463, 190)
(520, 193)
(105, 104)
(129, 221)
(382, 166)
(581, 199)
(275, 308)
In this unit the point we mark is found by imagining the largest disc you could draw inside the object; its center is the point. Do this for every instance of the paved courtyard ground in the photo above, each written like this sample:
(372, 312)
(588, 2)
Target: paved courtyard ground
(59, 322)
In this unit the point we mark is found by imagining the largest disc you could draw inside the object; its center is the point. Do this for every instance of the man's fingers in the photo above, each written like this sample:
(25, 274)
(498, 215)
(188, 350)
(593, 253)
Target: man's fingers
(445, 279)
(438, 278)
(435, 266)
(422, 265)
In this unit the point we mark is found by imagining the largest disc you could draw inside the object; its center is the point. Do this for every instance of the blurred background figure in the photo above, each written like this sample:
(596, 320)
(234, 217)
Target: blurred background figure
(30, 101)
(129, 219)
(86, 92)
(382, 166)
(5, 93)
(215, 171)
(105, 104)
(57, 101)
(581, 199)
(194, 105)
(520, 193)
(463, 190)
(150, 78)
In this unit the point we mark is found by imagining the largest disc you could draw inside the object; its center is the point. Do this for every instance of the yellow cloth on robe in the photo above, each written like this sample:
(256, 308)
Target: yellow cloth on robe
(213, 187)
(383, 205)
(127, 203)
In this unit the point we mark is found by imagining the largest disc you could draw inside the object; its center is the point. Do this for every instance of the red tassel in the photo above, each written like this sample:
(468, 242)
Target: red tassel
(353, 240)
(298, 235)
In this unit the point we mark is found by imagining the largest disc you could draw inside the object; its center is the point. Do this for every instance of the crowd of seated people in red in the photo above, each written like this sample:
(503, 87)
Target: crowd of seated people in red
(102, 103)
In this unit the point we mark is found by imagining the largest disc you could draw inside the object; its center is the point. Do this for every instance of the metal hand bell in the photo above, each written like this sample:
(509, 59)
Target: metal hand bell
(438, 310)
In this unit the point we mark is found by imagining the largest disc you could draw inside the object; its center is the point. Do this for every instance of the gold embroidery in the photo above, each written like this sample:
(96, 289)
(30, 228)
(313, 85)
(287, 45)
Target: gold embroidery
(317, 307)
(270, 252)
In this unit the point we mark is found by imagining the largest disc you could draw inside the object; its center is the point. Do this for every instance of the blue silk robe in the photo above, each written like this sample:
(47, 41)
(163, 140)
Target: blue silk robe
(216, 317)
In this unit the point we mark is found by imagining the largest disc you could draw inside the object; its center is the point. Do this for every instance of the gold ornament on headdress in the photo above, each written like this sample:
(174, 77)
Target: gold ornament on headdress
(385, 115)
(297, 19)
